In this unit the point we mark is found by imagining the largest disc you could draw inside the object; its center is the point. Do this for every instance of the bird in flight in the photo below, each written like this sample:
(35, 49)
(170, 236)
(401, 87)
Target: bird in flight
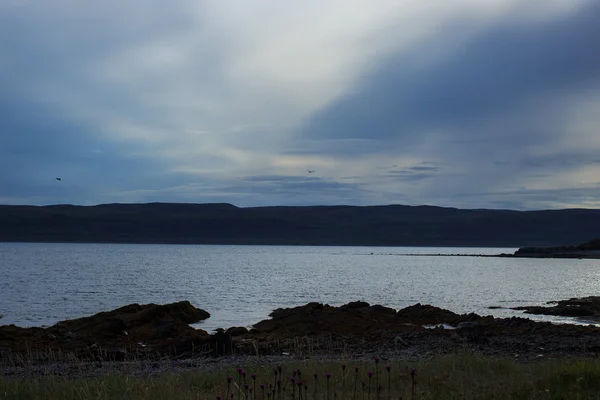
(59, 179)
(310, 172)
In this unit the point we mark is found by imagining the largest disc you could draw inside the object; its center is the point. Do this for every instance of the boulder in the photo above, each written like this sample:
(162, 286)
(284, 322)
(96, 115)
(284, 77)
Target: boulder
(163, 329)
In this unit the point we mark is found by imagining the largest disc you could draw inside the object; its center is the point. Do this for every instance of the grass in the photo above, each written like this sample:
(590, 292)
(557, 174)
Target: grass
(459, 376)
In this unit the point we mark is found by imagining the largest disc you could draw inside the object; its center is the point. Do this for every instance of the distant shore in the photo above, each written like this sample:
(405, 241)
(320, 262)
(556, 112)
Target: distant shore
(385, 225)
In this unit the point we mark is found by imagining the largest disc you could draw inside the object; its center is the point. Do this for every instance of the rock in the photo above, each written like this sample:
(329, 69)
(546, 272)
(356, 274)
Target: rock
(398, 341)
(589, 249)
(163, 328)
(588, 307)
(473, 331)
(319, 319)
(237, 331)
(426, 315)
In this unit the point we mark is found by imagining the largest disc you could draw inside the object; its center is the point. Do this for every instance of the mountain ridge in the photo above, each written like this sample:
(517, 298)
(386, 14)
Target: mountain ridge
(224, 223)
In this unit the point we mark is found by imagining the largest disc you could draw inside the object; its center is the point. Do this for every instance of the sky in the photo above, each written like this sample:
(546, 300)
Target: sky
(462, 103)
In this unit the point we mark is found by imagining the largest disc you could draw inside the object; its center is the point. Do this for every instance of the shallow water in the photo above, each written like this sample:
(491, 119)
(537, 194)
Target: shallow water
(240, 285)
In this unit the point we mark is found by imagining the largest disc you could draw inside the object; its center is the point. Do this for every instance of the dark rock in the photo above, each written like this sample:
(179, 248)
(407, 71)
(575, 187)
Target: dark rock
(354, 305)
(237, 331)
(589, 249)
(473, 331)
(588, 307)
(420, 314)
(163, 328)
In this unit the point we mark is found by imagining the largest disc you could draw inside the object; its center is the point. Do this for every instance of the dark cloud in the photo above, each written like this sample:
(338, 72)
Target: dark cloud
(414, 173)
(37, 145)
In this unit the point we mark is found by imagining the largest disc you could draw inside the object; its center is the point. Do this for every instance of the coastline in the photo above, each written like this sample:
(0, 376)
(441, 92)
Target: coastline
(145, 338)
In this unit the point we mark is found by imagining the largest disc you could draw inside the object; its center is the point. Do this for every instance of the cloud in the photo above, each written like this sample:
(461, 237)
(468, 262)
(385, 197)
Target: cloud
(232, 101)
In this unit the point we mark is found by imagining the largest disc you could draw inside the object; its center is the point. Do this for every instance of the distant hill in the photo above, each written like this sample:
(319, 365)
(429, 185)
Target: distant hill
(391, 225)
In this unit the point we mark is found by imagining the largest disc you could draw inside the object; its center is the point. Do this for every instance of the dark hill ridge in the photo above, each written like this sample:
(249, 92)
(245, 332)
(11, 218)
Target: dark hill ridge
(391, 225)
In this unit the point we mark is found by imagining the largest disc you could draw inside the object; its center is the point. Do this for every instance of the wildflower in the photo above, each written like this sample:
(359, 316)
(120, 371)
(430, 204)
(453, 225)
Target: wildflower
(229, 378)
(370, 373)
(328, 375)
(253, 377)
(388, 368)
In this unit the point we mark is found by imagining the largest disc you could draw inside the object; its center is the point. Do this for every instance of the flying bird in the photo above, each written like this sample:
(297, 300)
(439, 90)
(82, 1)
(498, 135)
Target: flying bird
(59, 179)
(310, 172)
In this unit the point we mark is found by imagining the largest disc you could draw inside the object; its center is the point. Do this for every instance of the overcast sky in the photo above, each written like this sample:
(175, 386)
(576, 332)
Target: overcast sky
(462, 103)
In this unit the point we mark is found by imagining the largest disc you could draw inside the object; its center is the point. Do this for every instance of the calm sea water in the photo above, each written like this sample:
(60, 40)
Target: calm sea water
(42, 284)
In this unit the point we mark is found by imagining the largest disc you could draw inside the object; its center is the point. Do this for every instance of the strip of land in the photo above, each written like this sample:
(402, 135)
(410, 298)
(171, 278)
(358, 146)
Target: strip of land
(157, 332)
(390, 225)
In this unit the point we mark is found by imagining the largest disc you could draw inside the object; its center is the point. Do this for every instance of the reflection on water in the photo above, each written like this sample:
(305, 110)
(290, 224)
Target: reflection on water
(241, 285)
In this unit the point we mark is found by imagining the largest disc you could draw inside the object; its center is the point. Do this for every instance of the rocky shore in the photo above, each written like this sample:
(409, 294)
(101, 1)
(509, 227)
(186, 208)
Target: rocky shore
(585, 308)
(150, 337)
(589, 249)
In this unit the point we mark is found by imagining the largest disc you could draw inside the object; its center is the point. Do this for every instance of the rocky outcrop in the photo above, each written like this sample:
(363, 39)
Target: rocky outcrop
(135, 329)
(151, 331)
(589, 249)
(354, 319)
(587, 308)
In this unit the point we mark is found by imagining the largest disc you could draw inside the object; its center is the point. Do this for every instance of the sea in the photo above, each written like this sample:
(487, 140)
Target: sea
(44, 283)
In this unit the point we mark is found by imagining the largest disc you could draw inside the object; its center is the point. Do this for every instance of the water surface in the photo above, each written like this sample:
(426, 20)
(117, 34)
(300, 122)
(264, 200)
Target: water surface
(240, 285)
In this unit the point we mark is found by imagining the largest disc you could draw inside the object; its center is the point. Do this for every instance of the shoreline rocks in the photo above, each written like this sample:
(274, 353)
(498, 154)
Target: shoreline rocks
(589, 249)
(587, 308)
(136, 329)
(152, 332)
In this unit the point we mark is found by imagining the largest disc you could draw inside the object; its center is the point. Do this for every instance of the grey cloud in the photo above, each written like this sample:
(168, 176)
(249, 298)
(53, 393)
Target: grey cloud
(414, 173)
(493, 75)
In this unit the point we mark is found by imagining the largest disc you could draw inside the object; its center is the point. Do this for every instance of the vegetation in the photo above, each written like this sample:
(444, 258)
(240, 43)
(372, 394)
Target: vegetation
(459, 376)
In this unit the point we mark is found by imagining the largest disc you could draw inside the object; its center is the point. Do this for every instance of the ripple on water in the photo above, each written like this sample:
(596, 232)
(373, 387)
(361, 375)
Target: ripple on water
(241, 285)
